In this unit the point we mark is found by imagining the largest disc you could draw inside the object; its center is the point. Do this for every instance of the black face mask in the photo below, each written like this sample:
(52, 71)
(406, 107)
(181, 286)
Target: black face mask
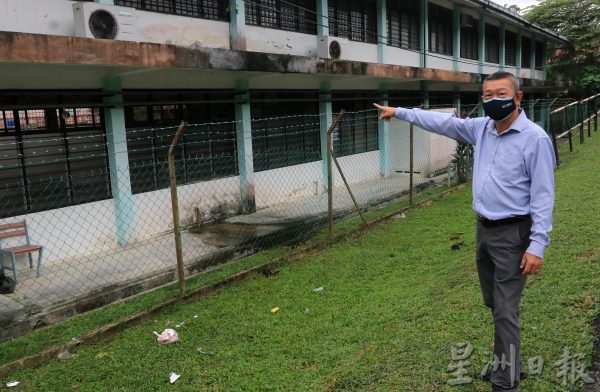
(499, 108)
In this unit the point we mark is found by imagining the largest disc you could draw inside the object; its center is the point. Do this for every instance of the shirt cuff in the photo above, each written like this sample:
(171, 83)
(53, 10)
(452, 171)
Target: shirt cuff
(537, 249)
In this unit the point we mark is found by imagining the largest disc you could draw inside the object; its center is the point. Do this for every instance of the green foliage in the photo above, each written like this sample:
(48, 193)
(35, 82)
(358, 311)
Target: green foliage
(579, 21)
(463, 158)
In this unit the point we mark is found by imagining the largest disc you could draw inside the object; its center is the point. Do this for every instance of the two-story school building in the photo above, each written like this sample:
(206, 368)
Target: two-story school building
(91, 91)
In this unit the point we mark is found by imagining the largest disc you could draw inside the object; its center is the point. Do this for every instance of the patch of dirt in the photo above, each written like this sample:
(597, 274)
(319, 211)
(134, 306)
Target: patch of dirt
(588, 256)
(232, 234)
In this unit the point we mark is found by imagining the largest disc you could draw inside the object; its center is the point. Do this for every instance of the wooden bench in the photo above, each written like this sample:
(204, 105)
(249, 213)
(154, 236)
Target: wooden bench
(18, 229)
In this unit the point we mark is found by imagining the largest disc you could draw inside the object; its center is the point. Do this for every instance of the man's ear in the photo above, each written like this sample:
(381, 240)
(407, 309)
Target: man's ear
(519, 97)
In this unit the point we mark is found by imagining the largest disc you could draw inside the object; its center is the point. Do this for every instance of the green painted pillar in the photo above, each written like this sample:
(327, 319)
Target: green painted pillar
(456, 101)
(424, 36)
(502, 40)
(425, 94)
(544, 114)
(322, 18)
(237, 25)
(532, 58)
(381, 31)
(118, 161)
(481, 48)
(383, 135)
(519, 56)
(455, 37)
(325, 121)
(545, 60)
(531, 107)
(245, 158)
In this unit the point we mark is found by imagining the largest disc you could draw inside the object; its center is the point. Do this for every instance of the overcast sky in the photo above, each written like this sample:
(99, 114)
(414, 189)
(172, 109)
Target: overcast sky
(522, 3)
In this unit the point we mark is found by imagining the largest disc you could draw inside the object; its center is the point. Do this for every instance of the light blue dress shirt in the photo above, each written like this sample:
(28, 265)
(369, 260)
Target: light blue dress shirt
(513, 172)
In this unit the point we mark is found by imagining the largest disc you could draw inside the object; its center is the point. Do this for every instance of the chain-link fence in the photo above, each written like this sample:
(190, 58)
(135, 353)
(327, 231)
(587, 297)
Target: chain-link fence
(111, 224)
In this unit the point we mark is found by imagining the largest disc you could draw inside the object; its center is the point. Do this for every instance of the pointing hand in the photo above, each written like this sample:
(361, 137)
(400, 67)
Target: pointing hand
(387, 112)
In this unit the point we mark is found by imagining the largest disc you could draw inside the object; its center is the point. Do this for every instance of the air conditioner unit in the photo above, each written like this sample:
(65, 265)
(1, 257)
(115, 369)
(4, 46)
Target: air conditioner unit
(333, 48)
(94, 20)
(466, 20)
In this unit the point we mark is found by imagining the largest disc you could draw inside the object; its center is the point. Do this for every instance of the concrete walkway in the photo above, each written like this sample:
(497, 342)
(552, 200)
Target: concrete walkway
(77, 285)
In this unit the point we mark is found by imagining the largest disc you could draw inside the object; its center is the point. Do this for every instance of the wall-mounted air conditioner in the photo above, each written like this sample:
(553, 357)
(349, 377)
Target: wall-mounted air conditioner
(94, 20)
(333, 48)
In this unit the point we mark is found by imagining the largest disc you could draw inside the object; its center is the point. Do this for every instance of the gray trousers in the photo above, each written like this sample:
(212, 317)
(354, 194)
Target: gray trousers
(499, 252)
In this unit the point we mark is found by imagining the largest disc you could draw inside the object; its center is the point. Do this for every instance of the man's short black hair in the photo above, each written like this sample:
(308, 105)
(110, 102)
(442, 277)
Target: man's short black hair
(504, 75)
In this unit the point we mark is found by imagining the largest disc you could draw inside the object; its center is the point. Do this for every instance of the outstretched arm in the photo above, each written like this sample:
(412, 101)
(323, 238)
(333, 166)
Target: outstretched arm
(441, 123)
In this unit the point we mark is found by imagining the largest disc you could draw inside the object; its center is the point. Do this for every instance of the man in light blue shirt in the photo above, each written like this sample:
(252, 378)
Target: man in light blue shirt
(513, 197)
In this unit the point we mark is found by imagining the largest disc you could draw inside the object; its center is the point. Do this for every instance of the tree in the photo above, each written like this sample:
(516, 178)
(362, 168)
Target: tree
(579, 21)
(513, 7)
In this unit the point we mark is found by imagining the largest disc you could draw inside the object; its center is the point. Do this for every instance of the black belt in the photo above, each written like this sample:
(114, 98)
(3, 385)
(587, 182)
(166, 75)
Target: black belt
(513, 219)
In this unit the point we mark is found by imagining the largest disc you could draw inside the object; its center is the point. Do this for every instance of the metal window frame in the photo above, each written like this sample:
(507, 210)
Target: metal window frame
(174, 7)
(440, 26)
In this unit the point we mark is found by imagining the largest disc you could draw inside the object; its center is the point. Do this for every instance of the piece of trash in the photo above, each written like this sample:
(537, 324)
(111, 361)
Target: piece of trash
(306, 310)
(167, 336)
(196, 316)
(11, 384)
(180, 324)
(102, 355)
(274, 310)
(457, 246)
(268, 271)
(318, 289)
(174, 377)
(400, 216)
(201, 351)
(64, 354)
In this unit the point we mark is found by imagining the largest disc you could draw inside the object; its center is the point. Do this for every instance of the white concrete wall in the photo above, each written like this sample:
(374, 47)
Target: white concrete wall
(358, 168)
(306, 180)
(431, 151)
(467, 67)
(288, 183)
(52, 17)
(402, 57)
(261, 39)
(439, 61)
(182, 31)
(70, 231)
(359, 51)
(153, 209)
(525, 73)
(55, 17)
(85, 229)
(489, 68)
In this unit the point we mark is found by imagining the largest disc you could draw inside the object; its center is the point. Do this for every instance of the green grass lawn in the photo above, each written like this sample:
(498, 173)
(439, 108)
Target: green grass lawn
(395, 299)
